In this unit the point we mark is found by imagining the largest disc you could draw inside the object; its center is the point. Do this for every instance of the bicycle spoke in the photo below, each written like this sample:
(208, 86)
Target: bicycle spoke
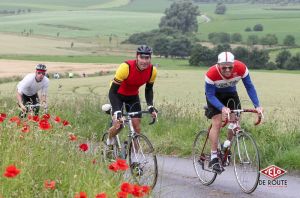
(246, 162)
(201, 158)
(142, 160)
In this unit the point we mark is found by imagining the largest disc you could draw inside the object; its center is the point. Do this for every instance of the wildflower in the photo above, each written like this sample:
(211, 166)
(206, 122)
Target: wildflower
(83, 147)
(11, 171)
(126, 187)
(2, 117)
(101, 195)
(57, 119)
(122, 164)
(72, 137)
(80, 195)
(113, 167)
(122, 194)
(15, 119)
(146, 189)
(46, 116)
(49, 184)
(25, 128)
(44, 125)
(66, 123)
(137, 191)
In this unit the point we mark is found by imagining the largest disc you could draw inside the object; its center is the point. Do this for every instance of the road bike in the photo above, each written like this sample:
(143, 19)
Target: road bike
(32, 109)
(137, 148)
(246, 161)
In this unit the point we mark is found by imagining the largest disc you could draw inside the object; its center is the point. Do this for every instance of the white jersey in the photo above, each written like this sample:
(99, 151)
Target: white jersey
(29, 86)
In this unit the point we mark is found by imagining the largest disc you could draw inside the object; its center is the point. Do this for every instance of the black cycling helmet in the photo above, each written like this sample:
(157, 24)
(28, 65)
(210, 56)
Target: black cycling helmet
(144, 49)
(41, 67)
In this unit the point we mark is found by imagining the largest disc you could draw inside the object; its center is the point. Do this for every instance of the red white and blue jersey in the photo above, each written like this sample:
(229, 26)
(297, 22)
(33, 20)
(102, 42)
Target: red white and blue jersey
(215, 82)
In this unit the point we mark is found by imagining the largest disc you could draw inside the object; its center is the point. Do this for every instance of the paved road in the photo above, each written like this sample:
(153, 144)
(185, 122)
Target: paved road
(177, 179)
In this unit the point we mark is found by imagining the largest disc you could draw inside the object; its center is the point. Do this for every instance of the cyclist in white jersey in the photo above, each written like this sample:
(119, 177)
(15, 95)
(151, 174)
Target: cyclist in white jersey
(33, 88)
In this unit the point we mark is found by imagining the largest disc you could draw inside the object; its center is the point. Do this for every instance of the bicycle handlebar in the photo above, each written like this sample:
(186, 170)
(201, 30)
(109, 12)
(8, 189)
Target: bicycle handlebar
(238, 111)
(140, 112)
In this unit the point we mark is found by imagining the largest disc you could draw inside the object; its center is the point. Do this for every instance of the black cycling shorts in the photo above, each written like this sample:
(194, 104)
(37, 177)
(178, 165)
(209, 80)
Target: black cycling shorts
(230, 100)
(132, 104)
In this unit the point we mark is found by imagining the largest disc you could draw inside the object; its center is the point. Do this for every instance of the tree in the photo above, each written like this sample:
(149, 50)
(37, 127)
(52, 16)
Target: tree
(241, 53)
(219, 37)
(289, 40)
(252, 40)
(181, 16)
(202, 55)
(222, 48)
(293, 63)
(220, 8)
(161, 46)
(236, 37)
(258, 59)
(248, 29)
(282, 58)
(269, 39)
(180, 47)
(258, 27)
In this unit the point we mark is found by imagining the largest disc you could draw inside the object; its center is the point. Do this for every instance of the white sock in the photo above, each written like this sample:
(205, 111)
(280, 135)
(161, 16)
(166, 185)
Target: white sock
(213, 154)
(110, 141)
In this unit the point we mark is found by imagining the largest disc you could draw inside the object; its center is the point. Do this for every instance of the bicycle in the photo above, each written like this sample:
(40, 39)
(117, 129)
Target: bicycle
(137, 148)
(32, 109)
(246, 159)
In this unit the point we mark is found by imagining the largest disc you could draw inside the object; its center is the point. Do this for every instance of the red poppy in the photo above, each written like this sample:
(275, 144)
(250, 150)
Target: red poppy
(72, 137)
(94, 161)
(57, 119)
(101, 195)
(83, 147)
(46, 116)
(66, 123)
(113, 167)
(2, 117)
(15, 119)
(126, 187)
(122, 164)
(49, 184)
(122, 194)
(80, 195)
(11, 171)
(137, 191)
(25, 128)
(36, 118)
(44, 125)
(146, 189)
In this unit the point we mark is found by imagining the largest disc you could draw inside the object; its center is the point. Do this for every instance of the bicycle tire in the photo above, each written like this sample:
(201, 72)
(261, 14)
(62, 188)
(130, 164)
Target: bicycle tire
(246, 162)
(147, 171)
(205, 175)
(108, 154)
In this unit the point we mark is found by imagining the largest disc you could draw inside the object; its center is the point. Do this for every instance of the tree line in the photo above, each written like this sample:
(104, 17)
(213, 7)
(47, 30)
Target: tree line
(176, 38)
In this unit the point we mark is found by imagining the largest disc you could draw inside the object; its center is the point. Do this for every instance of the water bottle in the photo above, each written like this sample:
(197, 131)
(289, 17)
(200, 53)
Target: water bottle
(226, 144)
(124, 150)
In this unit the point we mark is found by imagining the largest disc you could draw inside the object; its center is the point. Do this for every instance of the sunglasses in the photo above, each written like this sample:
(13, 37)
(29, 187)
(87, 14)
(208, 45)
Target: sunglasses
(43, 73)
(224, 68)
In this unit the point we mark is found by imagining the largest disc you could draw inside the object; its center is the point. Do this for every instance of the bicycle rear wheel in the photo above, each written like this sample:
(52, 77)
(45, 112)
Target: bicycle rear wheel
(246, 162)
(109, 152)
(142, 161)
(201, 159)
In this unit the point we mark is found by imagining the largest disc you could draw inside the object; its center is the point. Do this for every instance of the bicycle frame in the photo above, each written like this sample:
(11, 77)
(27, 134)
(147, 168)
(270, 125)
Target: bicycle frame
(236, 121)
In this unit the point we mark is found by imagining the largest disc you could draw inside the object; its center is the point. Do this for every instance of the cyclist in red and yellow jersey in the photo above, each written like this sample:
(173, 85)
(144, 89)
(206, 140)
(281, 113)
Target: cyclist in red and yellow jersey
(129, 77)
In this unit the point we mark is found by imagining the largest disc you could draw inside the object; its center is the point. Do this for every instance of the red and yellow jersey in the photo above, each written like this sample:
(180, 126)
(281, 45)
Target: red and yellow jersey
(131, 78)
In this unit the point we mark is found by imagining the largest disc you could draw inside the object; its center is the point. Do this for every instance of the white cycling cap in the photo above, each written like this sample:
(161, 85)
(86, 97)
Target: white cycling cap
(225, 57)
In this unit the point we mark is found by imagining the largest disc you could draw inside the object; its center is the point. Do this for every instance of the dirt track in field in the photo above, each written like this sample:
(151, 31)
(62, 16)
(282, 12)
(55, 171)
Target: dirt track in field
(20, 68)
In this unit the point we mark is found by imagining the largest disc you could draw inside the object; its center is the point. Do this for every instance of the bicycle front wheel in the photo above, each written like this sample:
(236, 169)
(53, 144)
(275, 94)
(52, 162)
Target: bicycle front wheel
(109, 152)
(246, 162)
(142, 161)
(201, 158)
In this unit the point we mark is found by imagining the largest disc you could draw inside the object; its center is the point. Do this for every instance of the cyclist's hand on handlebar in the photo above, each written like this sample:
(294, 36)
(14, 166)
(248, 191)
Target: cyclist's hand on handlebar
(23, 108)
(226, 111)
(153, 111)
(260, 111)
(117, 119)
